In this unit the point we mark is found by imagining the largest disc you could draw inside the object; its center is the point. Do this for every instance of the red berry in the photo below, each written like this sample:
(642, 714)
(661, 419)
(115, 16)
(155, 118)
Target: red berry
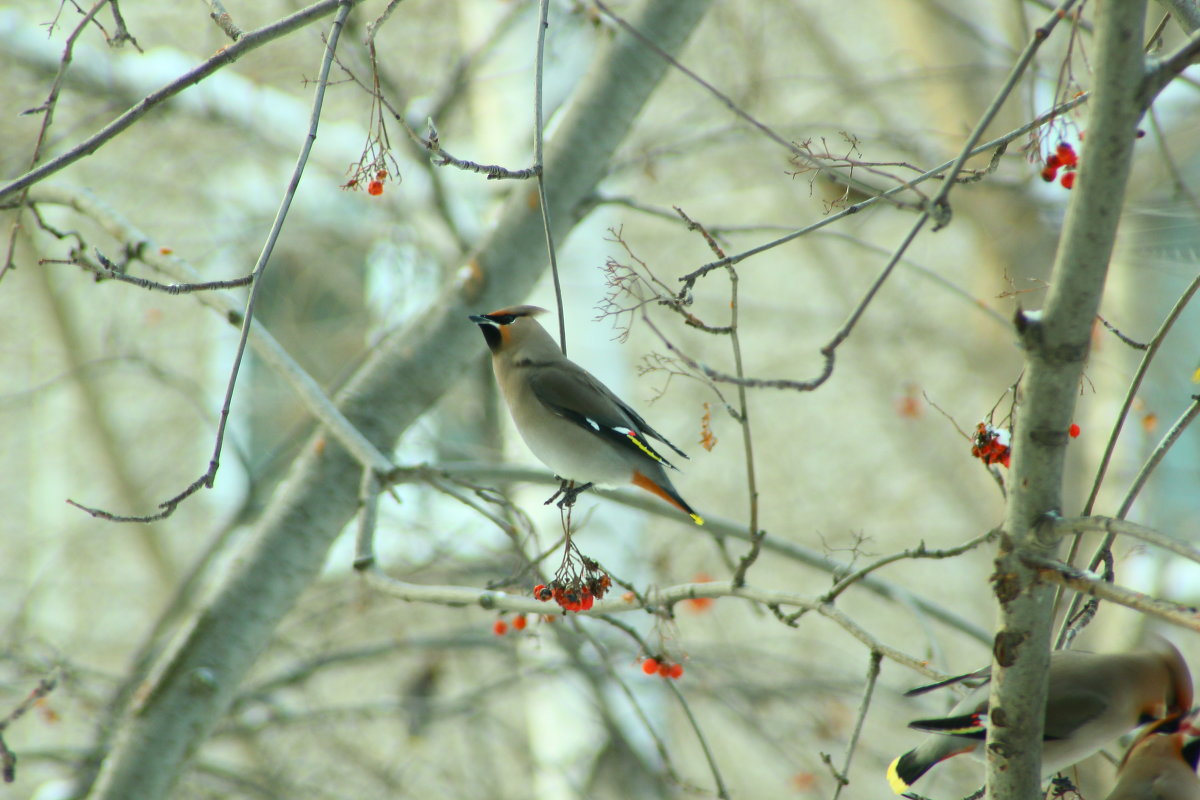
(650, 666)
(675, 671)
(1066, 155)
(1067, 180)
(519, 622)
(1049, 173)
(500, 627)
(375, 188)
(1073, 430)
(1053, 160)
(664, 669)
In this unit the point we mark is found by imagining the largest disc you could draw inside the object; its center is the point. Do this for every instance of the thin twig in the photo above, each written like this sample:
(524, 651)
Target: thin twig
(538, 137)
(915, 553)
(843, 776)
(107, 269)
(713, 767)
(8, 760)
(494, 172)
(743, 413)
(224, 21)
(659, 745)
(1157, 456)
(1115, 331)
(1134, 385)
(46, 109)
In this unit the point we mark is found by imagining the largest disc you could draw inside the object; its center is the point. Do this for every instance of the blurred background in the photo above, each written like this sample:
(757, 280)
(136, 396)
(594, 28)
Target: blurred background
(109, 393)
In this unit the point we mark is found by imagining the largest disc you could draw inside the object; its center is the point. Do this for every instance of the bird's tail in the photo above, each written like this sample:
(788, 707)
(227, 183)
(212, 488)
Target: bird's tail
(663, 488)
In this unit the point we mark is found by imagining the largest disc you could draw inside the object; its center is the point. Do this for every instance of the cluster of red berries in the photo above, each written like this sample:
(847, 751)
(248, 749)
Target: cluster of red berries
(500, 627)
(992, 445)
(1064, 157)
(662, 667)
(575, 595)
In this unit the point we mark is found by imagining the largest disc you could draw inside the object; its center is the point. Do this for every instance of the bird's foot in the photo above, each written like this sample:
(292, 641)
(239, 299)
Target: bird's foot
(570, 492)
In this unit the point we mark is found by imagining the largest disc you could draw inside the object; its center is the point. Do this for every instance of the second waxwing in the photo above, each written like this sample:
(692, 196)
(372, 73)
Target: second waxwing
(1093, 699)
(1161, 763)
(571, 421)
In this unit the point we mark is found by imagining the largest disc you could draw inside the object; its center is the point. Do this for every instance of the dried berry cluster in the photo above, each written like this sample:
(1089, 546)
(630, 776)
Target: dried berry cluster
(577, 594)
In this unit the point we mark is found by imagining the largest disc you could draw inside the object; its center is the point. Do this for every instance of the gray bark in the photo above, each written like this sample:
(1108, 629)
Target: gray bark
(1056, 341)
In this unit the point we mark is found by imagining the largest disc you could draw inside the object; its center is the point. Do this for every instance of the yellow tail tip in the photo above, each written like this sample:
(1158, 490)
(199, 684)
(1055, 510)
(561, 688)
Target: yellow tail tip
(893, 777)
(696, 518)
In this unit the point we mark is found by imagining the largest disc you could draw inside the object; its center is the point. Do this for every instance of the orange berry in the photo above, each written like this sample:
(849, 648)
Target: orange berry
(500, 627)
(650, 666)
(664, 669)
(519, 622)
(1073, 430)
(675, 671)
(375, 188)
(381, 174)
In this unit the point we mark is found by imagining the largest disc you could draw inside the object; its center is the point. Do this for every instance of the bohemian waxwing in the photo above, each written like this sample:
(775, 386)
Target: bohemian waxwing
(572, 422)
(1161, 764)
(1092, 699)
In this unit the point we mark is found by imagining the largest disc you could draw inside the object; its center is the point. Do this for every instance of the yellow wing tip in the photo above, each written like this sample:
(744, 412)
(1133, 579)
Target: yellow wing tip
(696, 518)
(894, 780)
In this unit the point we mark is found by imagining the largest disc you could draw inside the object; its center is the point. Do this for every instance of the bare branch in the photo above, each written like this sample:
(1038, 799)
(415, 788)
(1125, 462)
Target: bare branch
(251, 41)
(720, 528)
(1121, 527)
(1087, 583)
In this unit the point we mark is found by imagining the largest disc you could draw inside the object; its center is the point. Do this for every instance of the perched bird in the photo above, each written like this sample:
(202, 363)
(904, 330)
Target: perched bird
(1093, 698)
(1161, 764)
(572, 422)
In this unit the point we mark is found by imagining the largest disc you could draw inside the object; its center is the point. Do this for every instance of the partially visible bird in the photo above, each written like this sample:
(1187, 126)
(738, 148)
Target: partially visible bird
(1161, 764)
(571, 421)
(1092, 699)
